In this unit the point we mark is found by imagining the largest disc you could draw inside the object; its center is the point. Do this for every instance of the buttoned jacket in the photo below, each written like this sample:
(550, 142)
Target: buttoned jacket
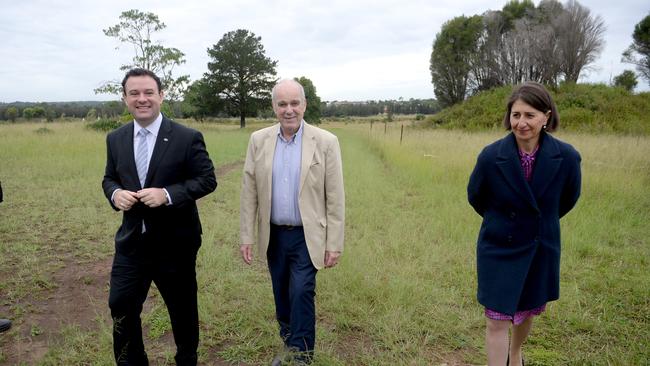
(518, 247)
(179, 163)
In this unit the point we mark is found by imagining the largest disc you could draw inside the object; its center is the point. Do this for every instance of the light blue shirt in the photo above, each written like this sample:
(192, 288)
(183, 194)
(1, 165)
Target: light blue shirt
(286, 180)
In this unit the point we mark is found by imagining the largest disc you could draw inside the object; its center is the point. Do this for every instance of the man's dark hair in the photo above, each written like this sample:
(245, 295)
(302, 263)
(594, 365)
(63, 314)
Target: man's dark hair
(535, 95)
(140, 72)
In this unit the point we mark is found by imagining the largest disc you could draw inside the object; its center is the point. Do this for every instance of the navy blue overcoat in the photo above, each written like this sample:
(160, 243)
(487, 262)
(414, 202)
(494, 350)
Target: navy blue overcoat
(518, 249)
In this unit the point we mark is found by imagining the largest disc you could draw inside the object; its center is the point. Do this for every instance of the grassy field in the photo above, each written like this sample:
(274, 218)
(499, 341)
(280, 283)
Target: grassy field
(404, 293)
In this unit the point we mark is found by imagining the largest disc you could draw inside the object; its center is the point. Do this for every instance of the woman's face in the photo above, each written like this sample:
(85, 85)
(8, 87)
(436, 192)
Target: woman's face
(527, 122)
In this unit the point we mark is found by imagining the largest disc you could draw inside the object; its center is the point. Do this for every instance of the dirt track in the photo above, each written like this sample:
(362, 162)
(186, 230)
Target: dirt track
(78, 297)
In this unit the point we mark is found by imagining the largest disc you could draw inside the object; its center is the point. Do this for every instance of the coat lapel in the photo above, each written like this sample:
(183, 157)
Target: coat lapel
(547, 164)
(163, 141)
(268, 153)
(308, 148)
(508, 163)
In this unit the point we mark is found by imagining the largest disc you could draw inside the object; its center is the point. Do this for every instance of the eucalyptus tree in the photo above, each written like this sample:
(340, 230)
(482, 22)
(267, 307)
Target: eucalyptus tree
(640, 46)
(453, 48)
(135, 29)
(580, 40)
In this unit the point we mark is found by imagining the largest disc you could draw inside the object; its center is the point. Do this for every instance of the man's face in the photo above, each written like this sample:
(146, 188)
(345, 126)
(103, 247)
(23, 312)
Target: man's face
(143, 99)
(289, 106)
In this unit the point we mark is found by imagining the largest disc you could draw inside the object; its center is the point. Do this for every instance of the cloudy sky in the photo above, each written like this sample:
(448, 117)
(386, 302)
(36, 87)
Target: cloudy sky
(55, 50)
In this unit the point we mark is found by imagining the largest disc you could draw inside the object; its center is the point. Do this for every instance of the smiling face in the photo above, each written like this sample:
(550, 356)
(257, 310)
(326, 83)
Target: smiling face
(143, 99)
(289, 105)
(527, 122)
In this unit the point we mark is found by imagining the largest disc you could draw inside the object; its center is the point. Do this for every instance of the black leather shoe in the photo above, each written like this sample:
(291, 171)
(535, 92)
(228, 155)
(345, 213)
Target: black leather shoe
(5, 324)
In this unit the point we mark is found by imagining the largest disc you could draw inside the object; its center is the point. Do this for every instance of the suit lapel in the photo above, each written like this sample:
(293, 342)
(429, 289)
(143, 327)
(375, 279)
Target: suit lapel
(508, 163)
(547, 164)
(308, 148)
(163, 141)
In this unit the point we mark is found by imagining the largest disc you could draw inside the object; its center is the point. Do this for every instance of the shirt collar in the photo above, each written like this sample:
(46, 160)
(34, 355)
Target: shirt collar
(297, 135)
(525, 155)
(154, 127)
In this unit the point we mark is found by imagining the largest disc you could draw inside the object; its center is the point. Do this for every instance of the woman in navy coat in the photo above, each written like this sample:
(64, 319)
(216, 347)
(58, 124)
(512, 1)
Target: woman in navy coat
(522, 185)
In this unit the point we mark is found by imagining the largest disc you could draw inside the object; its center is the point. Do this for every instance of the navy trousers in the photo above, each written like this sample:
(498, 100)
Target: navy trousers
(294, 287)
(175, 277)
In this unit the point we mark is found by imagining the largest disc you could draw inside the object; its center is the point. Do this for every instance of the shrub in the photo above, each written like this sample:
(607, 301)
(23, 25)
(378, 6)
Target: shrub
(43, 131)
(104, 125)
(590, 108)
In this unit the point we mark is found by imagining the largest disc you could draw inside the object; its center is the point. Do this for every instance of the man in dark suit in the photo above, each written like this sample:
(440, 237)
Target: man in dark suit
(156, 169)
(5, 324)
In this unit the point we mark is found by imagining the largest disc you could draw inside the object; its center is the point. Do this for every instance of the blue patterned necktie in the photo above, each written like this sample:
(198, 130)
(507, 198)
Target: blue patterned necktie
(142, 156)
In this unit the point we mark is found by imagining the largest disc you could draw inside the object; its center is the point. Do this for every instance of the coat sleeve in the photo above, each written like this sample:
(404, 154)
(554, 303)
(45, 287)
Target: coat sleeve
(201, 179)
(111, 180)
(476, 185)
(334, 198)
(571, 189)
(248, 204)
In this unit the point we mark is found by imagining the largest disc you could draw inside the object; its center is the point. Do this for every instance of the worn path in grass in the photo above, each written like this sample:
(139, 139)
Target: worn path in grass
(74, 299)
(404, 293)
(57, 291)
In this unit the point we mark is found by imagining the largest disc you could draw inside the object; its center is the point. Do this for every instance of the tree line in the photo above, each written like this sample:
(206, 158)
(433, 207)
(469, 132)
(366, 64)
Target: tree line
(380, 107)
(115, 109)
(54, 110)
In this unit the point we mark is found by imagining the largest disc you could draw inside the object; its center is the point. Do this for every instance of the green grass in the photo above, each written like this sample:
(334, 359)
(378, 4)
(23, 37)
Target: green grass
(404, 292)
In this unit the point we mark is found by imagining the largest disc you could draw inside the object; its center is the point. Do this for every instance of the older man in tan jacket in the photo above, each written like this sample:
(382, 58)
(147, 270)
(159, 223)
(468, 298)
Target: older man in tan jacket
(292, 186)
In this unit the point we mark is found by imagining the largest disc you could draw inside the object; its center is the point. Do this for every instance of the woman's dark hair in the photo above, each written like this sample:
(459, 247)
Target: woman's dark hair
(140, 72)
(535, 95)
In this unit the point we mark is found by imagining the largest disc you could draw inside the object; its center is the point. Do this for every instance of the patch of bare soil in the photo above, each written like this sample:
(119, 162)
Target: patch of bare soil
(79, 298)
(227, 168)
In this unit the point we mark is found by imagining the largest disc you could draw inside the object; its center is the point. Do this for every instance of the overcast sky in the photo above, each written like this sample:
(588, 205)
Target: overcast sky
(55, 50)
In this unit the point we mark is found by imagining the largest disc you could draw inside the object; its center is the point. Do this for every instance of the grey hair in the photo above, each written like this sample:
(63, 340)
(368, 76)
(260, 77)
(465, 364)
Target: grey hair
(282, 81)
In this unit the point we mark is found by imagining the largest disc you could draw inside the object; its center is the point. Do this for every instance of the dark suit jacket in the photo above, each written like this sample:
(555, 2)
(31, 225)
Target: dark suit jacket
(180, 164)
(518, 250)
